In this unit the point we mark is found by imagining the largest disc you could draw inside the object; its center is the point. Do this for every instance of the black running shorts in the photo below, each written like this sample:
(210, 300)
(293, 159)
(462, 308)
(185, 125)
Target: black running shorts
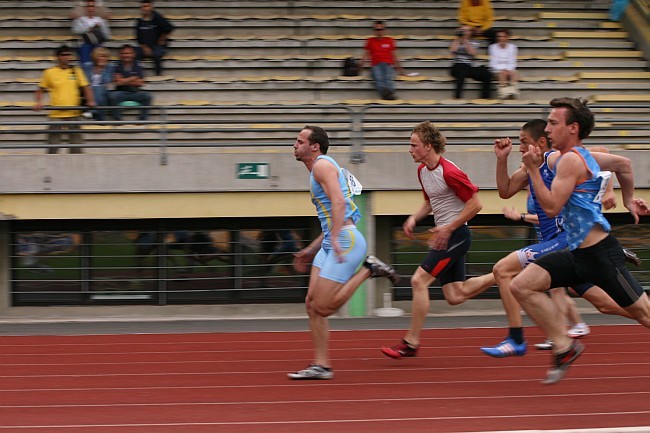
(602, 264)
(449, 265)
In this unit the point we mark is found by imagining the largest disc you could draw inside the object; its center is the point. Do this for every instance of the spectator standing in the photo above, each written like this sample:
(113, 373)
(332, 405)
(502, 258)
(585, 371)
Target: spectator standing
(479, 15)
(381, 52)
(152, 32)
(64, 83)
(100, 75)
(464, 48)
(503, 64)
(93, 31)
(129, 83)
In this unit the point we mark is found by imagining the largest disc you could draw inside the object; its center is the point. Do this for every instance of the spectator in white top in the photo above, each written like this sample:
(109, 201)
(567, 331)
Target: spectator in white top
(503, 64)
(101, 10)
(93, 31)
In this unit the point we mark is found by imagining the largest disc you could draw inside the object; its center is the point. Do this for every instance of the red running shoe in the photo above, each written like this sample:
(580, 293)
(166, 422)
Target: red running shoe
(400, 350)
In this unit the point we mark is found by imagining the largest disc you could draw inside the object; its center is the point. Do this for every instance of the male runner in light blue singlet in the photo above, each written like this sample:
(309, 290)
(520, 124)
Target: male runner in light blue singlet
(337, 252)
(594, 254)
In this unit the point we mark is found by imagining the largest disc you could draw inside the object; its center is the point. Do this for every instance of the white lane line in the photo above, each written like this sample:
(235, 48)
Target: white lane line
(267, 372)
(283, 360)
(305, 340)
(645, 429)
(336, 401)
(331, 421)
(314, 384)
(284, 349)
(245, 331)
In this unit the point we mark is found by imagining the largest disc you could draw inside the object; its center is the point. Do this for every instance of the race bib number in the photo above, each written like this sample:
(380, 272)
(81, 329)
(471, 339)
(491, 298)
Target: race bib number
(605, 177)
(353, 183)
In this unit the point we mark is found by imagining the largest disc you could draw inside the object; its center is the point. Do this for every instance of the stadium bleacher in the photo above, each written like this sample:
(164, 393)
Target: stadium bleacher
(293, 51)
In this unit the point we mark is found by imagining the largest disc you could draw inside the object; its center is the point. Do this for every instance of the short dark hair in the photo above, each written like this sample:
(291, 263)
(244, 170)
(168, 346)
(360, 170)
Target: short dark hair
(63, 49)
(318, 135)
(146, 1)
(578, 112)
(536, 128)
(127, 46)
(506, 31)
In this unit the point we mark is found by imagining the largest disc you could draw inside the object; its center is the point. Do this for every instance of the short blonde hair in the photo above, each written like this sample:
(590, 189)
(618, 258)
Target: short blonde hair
(100, 51)
(430, 134)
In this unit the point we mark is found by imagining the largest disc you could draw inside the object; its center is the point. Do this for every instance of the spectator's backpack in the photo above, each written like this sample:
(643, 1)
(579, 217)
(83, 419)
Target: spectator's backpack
(94, 36)
(350, 67)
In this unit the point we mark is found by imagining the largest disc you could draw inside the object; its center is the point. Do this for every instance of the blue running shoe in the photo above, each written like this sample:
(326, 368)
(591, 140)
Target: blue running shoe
(506, 348)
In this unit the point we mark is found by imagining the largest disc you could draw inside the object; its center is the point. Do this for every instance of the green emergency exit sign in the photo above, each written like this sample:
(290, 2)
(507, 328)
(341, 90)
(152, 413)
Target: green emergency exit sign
(253, 170)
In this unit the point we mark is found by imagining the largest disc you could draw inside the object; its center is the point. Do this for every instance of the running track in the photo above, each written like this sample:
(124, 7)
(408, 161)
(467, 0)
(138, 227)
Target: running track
(236, 382)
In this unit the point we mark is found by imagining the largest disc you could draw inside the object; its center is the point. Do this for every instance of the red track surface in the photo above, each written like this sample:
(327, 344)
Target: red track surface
(236, 382)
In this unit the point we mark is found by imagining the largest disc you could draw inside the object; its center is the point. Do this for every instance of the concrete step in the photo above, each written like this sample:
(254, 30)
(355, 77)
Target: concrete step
(479, 135)
(306, 89)
(226, 66)
(327, 47)
(373, 8)
(308, 25)
(382, 124)
(205, 84)
(620, 111)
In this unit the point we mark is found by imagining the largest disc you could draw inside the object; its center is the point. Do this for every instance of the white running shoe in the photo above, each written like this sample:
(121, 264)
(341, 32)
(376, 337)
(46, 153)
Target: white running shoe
(578, 331)
(381, 269)
(313, 372)
(562, 362)
(630, 256)
(545, 345)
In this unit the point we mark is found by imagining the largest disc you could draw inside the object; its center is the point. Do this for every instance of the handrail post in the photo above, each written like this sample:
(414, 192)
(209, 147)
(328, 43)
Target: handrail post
(163, 136)
(356, 121)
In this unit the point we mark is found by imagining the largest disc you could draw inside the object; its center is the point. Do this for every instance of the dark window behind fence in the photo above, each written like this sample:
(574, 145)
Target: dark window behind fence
(492, 239)
(181, 265)
(225, 261)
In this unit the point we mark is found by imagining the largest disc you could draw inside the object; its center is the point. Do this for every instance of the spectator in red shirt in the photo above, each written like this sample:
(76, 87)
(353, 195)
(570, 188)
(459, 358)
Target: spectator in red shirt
(381, 51)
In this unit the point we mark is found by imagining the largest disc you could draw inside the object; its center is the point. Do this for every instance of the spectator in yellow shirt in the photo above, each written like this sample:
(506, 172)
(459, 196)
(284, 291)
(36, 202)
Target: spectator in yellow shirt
(479, 15)
(64, 82)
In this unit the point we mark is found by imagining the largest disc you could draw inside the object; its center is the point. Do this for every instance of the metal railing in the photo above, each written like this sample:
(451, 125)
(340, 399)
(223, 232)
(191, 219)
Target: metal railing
(157, 267)
(99, 265)
(618, 124)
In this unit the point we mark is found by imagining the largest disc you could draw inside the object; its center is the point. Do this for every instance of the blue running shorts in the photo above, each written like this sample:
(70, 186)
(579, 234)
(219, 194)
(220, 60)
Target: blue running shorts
(354, 252)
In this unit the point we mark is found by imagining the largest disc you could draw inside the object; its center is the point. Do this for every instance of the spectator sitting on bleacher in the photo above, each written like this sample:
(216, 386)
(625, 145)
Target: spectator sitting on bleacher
(479, 15)
(100, 75)
(93, 31)
(129, 80)
(464, 49)
(152, 31)
(64, 83)
(100, 10)
(503, 64)
(381, 53)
